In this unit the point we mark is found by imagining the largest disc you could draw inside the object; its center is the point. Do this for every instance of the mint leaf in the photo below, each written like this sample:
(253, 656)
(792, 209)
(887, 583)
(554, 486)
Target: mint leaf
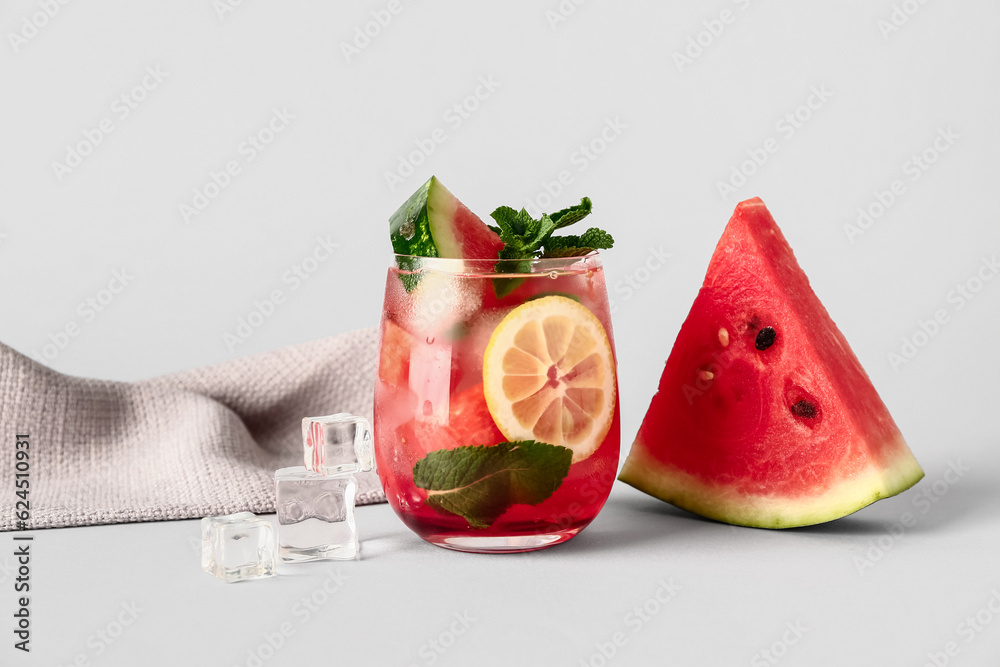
(592, 238)
(597, 238)
(481, 482)
(521, 234)
(526, 238)
(568, 216)
(504, 286)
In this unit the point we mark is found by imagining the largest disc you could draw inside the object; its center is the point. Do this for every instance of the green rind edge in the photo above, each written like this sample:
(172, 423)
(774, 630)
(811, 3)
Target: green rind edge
(688, 493)
(421, 243)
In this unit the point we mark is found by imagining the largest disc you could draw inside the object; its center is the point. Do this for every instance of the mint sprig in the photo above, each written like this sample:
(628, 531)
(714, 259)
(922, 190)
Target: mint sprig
(522, 235)
(568, 216)
(526, 238)
(591, 239)
(480, 483)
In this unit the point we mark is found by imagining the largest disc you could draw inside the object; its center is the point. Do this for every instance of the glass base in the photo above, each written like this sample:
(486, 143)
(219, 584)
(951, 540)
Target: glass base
(494, 544)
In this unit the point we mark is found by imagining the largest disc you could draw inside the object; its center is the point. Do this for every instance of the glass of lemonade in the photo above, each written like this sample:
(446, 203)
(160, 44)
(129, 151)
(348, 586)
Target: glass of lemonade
(496, 401)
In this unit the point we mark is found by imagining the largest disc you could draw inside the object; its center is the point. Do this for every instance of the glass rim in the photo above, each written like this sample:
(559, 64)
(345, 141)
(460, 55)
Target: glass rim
(503, 268)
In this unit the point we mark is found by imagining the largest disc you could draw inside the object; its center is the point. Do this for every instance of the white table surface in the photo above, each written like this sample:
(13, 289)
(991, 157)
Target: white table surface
(864, 590)
(879, 97)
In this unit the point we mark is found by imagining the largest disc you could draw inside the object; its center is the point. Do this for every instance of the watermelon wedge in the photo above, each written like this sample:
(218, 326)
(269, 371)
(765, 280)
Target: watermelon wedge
(764, 416)
(434, 223)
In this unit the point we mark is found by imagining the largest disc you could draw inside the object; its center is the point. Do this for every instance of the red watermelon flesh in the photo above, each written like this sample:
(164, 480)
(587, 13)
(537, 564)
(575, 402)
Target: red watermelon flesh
(764, 416)
(457, 231)
(434, 223)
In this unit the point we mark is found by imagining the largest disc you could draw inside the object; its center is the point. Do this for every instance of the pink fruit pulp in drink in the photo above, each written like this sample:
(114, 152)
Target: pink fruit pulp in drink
(429, 396)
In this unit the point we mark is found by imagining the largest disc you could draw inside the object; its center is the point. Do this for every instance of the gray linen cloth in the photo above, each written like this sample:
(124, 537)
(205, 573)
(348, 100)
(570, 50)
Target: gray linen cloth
(198, 443)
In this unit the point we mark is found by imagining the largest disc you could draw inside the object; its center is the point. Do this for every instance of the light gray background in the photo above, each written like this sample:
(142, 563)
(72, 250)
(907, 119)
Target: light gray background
(887, 94)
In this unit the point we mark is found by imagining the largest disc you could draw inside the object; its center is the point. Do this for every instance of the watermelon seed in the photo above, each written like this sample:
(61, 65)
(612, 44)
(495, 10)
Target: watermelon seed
(724, 337)
(765, 338)
(705, 375)
(805, 409)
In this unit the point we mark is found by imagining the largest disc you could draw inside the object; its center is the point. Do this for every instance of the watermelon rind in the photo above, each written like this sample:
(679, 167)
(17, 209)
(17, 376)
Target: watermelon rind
(722, 503)
(441, 209)
(434, 223)
(409, 226)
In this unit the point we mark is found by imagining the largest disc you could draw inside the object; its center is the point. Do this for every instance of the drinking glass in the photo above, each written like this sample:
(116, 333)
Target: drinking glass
(496, 401)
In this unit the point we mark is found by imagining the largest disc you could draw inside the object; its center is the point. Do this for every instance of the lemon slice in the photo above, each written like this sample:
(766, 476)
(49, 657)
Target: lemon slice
(549, 375)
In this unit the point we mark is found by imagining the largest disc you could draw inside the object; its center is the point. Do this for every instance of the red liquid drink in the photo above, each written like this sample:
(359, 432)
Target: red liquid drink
(496, 403)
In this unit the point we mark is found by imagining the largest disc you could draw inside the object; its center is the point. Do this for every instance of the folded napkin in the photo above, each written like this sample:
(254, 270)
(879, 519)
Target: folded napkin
(192, 444)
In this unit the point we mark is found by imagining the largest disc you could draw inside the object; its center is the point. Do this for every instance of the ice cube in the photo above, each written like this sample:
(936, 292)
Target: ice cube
(315, 515)
(440, 302)
(340, 443)
(237, 547)
(430, 379)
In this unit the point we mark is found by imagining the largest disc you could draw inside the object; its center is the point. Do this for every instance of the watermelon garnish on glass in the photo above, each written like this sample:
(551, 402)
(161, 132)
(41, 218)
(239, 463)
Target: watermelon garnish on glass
(434, 223)
(764, 416)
